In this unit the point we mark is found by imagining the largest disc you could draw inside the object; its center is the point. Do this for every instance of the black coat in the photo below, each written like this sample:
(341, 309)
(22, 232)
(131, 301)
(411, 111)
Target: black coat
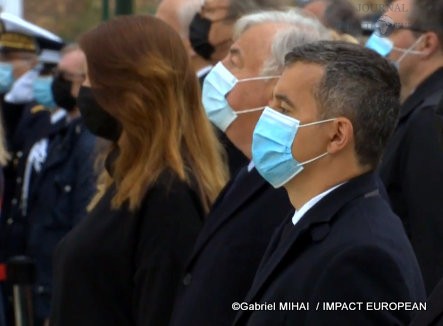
(433, 315)
(57, 201)
(228, 250)
(24, 124)
(349, 247)
(412, 171)
(123, 268)
(236, 158)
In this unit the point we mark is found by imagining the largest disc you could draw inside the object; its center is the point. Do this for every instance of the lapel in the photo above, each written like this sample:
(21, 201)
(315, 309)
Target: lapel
(237, 194)
(433, 84)
(317, 221)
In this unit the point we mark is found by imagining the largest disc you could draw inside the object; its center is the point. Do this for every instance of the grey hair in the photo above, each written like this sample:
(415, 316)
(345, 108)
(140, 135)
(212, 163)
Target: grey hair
(302, 28)
(238, 8)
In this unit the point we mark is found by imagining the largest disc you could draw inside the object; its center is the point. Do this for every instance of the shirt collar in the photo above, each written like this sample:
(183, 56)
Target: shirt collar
(299, 213)
(203, 71)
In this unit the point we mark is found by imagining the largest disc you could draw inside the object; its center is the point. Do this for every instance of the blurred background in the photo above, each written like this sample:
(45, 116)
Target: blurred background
(69, 18)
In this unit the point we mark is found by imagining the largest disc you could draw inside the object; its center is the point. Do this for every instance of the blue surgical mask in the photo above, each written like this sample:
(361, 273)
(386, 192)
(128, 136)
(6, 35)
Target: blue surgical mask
(216, 86)
(6, 76)
(384, 46)
(272, 147)
(43, 93)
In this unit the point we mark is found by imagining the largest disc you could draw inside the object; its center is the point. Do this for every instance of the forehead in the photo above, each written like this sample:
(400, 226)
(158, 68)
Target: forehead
(168, 12)
(255, 43)
(298, 80)
(399, 11)
(72, 61)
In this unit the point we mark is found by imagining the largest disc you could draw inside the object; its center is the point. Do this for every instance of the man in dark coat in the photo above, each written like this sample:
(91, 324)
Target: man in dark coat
(240, 224)
(412, 167)
(344, 253)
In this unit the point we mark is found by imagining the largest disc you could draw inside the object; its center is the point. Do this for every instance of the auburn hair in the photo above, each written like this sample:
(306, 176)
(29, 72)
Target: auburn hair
(140, 73)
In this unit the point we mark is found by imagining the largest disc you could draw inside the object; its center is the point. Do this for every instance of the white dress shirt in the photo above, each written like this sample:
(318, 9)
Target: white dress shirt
(299, 213)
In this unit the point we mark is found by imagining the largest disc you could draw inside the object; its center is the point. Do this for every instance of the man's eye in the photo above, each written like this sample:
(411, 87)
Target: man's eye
(282, 110)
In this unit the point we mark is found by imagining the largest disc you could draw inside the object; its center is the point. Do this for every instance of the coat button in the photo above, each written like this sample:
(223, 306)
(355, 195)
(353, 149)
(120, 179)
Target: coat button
(14, 201)
(19, 154)
(67, 188)
(187, 279)
(9, 221)
(18, 180)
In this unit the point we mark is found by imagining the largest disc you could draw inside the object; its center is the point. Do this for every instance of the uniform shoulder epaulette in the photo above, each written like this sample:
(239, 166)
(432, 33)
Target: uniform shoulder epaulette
(37, 109)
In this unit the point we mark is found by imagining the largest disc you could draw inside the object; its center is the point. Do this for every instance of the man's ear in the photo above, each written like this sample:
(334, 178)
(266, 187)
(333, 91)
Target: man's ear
(430, 44)
(341, 135)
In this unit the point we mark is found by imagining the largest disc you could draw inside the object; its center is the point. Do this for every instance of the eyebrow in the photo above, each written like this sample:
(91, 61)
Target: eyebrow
(234, 51)
(285, 99)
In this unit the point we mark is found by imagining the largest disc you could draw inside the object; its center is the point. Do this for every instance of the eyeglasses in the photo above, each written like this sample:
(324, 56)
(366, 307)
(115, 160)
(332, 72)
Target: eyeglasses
(386, 28)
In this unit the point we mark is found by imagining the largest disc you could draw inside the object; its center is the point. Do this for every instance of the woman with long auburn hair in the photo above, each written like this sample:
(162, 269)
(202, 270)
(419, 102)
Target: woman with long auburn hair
(123, 263)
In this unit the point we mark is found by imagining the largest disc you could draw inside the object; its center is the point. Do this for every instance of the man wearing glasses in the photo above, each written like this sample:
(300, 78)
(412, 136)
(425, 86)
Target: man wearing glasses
(412, 167)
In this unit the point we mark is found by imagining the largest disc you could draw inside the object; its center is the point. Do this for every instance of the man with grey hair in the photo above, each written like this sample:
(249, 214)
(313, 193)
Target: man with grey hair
(343, 257)
(237, 231)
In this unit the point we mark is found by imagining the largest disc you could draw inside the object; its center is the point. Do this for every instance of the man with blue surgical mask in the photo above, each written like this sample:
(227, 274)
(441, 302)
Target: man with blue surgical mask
(321, 138)
(412, 167)
(238, 228)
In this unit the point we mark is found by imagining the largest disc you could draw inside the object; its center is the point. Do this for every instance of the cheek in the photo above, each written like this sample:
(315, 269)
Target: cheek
(307, 144)
(249, 95)
(219, 33)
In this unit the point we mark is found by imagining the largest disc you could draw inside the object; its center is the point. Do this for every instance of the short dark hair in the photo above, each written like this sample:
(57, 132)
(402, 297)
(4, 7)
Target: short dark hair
(428, 15)
(342, 16)
(358, 84)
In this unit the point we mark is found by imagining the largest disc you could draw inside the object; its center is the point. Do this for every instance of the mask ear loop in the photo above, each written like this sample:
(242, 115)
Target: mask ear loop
(251, 79)
(409, 50)
(314, 159)
(311, 124)
(250, 110)
(258, 78)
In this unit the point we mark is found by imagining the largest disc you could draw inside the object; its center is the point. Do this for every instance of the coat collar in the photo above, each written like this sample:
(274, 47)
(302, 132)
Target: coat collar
(234, 196)
(432, 84)
(59, 148)
(314, 226)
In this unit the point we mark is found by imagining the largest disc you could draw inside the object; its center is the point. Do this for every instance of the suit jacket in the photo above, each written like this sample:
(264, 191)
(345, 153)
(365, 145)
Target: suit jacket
(228, 250)
(433, 315)
(412, 171)
(349, 247)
